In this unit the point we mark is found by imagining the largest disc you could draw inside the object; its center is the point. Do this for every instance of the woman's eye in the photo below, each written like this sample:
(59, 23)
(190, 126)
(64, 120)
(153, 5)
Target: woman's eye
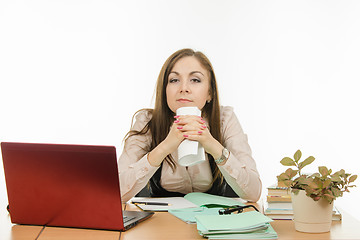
(173, 80)
(196, 80)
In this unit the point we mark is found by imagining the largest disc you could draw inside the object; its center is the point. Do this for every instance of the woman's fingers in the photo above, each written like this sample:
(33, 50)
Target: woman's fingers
(195, 128)
(190, 123)
(186, 119)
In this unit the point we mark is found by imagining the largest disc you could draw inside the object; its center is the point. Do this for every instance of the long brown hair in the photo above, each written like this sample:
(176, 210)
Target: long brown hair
(162, 116)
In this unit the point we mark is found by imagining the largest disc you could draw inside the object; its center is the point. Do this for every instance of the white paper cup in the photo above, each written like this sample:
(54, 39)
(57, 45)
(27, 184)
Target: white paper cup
(190, 152)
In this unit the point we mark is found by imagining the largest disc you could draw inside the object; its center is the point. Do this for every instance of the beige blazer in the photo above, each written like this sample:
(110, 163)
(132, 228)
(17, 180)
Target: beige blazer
(239, 171)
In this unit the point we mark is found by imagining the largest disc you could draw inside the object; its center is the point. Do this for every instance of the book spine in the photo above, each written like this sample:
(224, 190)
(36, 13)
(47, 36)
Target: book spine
(278, 198)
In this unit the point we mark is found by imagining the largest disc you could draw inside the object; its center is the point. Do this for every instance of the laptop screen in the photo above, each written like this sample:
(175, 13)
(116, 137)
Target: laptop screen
(63, 185)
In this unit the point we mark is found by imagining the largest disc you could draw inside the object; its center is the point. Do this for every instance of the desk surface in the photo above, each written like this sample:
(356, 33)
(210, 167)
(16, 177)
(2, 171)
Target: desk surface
(163, 226)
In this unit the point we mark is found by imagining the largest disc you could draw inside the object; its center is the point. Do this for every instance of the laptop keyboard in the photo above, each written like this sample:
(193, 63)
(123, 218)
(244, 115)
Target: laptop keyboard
(127, 218)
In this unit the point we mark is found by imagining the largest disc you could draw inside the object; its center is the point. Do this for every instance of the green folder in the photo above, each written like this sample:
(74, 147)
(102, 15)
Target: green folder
(208, 200)
(248, 225)
(268, 233)
(208, 205)
(236, 222)
(188, 214)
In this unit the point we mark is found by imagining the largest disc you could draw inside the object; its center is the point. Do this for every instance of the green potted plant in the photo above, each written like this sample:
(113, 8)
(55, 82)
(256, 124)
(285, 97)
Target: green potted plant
(313, 195)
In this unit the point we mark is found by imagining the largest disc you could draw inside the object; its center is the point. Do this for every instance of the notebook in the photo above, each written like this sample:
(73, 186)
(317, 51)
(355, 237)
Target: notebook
(66, 186)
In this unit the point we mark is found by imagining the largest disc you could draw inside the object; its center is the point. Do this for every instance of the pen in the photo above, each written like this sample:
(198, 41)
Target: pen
(151, 203)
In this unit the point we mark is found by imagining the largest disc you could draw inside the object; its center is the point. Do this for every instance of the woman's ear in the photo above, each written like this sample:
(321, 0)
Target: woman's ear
(209, 98)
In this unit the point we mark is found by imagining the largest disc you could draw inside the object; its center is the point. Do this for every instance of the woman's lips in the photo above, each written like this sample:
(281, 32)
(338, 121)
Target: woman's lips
(182, 100)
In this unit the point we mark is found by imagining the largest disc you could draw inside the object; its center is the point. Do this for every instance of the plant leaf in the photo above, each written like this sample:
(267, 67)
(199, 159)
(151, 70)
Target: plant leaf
(316, 198)
(287, 183)
(295, 191)
(315, 175)
(326, 183)
(301, 179)
(352, 178)
(335, 178)
(329, 197)
(313, 184)
(341, 173)
(307, 161)
(282, 177)
(286, 161)
(323, 170)
(291, 173)
(337, 192)
(297, 156)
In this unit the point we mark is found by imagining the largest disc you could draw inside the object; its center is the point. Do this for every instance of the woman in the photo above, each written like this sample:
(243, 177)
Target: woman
(150, 151)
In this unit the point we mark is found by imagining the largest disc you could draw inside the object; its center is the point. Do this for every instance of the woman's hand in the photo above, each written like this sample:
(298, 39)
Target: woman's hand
(174, 137)
(185, 127)
(194, 128)
(168, 145)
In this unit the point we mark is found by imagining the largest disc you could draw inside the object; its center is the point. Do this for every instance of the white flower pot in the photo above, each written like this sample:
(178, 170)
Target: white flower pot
(309, 215)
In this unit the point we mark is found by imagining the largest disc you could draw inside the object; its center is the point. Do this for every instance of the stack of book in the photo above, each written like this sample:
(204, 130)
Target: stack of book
(278, 204)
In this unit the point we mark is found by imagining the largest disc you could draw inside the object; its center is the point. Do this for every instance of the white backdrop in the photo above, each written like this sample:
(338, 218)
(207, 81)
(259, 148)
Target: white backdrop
(75, 71)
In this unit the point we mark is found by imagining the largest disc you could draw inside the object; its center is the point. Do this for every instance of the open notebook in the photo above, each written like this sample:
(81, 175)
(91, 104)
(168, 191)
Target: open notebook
(65, 185)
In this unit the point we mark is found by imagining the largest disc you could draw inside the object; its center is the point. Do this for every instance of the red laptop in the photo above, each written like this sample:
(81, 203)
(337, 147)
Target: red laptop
(65, 185)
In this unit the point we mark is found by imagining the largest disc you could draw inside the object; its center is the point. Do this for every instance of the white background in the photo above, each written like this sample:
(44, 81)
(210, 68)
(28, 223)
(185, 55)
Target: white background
(75, 71)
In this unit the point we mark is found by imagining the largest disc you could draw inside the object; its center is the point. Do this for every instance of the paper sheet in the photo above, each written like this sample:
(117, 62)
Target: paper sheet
(174, 203)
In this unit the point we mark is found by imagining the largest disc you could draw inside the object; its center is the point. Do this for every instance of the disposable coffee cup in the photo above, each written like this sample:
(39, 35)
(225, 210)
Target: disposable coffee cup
(190, 152)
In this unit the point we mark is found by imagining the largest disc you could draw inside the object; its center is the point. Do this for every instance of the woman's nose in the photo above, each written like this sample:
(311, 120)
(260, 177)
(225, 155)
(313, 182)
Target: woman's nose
(184, 87)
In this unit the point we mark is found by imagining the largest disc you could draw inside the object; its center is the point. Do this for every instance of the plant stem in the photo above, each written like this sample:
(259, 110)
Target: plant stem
(297, 165)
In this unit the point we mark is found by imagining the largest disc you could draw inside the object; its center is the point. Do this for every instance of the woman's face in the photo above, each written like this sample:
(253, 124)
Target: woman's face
(188, 84)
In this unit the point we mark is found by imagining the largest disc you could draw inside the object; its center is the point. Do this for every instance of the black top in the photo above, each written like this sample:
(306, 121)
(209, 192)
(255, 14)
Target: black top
(154, 189)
